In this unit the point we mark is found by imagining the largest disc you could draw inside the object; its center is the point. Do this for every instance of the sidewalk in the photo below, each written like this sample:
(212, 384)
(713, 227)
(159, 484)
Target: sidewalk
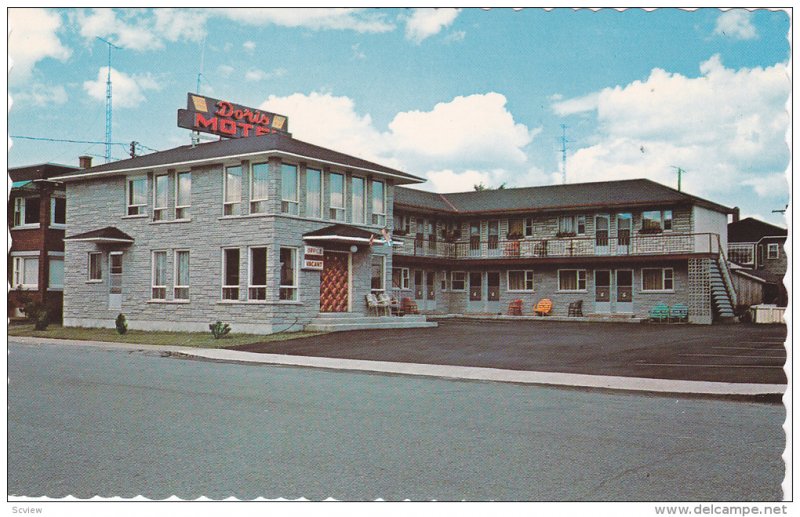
(637, 384)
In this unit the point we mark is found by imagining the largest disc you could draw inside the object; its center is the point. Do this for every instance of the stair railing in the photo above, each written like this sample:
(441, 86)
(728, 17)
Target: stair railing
(725, 271)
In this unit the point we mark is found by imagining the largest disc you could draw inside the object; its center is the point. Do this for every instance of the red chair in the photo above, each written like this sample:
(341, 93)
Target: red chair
(515, 308)
(410, 306)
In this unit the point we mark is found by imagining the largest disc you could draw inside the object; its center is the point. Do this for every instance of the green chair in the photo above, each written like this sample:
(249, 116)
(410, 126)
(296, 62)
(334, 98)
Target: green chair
(679, 312)
(659, 312)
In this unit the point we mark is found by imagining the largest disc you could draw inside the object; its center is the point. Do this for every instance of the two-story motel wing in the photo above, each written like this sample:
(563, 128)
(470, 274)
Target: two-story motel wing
(267, 233)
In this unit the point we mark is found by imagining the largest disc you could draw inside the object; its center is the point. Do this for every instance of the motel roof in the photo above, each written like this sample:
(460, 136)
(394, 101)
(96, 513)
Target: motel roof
(750, 229)
(40, 171)
(572, 196)
(214, 152)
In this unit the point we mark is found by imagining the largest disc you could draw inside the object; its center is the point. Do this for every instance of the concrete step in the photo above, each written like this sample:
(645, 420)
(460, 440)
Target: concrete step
(394, 323)
(355, 318)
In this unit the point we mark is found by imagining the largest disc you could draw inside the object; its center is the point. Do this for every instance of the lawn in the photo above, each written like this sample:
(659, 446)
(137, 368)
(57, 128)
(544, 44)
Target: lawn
(143, 337)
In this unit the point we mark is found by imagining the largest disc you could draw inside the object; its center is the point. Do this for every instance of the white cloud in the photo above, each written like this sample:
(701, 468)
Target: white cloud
(424, 23)
(249, 46)
(39, 94)
(180, 24)
(141, 29)
(255, 74)
(128, 90)
(225, 70)
(450, 181)
(33, 37)
(455, 37)
(726, 128)
(737, 24)
(357, 52)
(576, 105)
(359, 20)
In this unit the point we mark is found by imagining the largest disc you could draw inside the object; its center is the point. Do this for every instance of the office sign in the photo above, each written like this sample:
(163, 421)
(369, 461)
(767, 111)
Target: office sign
(314, 250)
(224, 118)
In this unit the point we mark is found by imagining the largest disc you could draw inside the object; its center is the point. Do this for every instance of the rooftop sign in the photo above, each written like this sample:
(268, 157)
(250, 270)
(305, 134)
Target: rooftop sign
(224, 118)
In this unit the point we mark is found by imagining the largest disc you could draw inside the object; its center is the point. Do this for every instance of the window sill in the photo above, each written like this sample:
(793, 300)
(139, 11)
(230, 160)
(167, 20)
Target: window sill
(34, 226)
(169, 302)
(257, 302)
(170, 221)
(26, 288)
(529, 291)
(657, 291)
(137, 216)
(58, 226)
(572, 291)
(98, 281)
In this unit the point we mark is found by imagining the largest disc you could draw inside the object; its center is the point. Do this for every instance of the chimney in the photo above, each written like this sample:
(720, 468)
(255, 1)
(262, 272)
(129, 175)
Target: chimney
(735, 215)
(85, 162)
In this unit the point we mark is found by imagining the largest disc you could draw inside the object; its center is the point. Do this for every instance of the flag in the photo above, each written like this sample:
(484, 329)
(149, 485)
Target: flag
(371, 239)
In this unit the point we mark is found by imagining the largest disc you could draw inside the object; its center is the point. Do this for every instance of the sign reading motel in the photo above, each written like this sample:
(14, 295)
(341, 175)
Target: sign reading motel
(224, 118)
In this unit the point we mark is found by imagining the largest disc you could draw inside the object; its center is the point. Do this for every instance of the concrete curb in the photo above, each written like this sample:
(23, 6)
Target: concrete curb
(573, 380)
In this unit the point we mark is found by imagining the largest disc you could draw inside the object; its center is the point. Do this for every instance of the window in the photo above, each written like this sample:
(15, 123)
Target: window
(58, 211)
(657, 279)
(520, 280)
(26, 272)
(137, 195)
(26, 211)
(230, 274)
(288, 287)
(571, 279)
(444, 278)
(159, 275)
(259, 174)
(160, 186)
(400, 278)
(19, 211)
(232, 194)
(337, 197)
(378, 273)
(402, 225)
(181, 291)
(55, 278)
(515, 229)
(359, 206)
(95, 266)
(656, 220)
(378, 203)
(458, 281)
(773, 251)
(183, 195)
(314, 193)
(257, 281)
(529, 227)
(289, 189)
(572, 225)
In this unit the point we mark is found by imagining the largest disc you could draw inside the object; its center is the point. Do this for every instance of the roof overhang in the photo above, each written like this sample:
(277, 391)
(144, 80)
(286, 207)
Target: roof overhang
(107, 235)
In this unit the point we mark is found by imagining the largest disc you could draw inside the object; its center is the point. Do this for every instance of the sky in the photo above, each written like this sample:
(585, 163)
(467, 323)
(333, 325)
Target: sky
(458, 97)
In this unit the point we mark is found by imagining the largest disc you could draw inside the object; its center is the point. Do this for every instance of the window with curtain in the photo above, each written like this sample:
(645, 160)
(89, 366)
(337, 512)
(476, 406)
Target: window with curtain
(233, 190)
(183, 195)
(572, 280)
(288, 287)
(657, 279)
(337, 197)
(137, 195)
(378, 203)
(520, 280)
(359, 206)
(230, 272)
(378, 265)
(160, 195)
(257, 284)
(259, 185)
(55, 273)
(314, 193)
(159, 283)
(181, 291)
(289, 194)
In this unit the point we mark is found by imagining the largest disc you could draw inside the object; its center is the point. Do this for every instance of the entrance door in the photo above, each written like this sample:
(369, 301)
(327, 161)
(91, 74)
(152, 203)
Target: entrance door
(334, 283)
(115, 280)
(601, 224)
(602, 291)
(475, 291)
(624, 227)
(430, 290)
(493, 292)
(624, 288)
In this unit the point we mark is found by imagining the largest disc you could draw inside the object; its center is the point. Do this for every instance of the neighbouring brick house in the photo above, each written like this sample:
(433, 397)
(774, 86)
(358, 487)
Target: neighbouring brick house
(36, 222)
(620, 247)
(757, 251)
(268, 233)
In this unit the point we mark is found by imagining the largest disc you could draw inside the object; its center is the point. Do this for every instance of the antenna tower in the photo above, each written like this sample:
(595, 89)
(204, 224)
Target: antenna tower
(108, 99)
(196, 134)
(564, 141)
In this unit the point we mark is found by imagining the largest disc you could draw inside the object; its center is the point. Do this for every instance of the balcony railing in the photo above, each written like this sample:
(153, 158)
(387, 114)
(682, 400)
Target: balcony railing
(741, 253)
(661, 244)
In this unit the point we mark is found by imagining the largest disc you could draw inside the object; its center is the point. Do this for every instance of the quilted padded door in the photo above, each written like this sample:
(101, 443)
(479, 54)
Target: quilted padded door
(333, 285)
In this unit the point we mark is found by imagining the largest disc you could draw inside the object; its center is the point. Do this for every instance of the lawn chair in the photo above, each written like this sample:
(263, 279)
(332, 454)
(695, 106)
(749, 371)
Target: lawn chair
(395, 307)
(543, 307)
(515, 308)
(576, 309)
(679, 312)
(659, 313)
(410, 306)
(385, 302)
(374, 305)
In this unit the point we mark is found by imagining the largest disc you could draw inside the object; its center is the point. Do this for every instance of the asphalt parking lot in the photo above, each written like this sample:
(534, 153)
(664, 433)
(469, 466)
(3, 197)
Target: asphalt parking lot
(725, 353)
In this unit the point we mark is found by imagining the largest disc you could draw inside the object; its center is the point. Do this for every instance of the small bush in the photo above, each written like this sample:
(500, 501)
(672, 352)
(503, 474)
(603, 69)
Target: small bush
(122, 324)
(219, 329)
(36, 313)
(42, 321)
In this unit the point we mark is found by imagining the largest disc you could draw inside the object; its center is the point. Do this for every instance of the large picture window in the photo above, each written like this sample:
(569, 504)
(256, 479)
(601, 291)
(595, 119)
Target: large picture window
(233, 191)
(289, 190)
(230, 274)
(572, 225)
(259, 184)
(658, 279)
(160, 199)
(159, 275)
(378, 203)
(288, 287)
(257, 281)
(359, 206)
(657, 220)
(520, 280)
(571, 279)
(183, 195)
(181, 290)
(137, 195)
(337, 197)
(314, 193)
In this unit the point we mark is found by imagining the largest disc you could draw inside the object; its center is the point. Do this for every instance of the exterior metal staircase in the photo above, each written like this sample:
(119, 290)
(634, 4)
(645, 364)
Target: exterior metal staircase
(723, 295)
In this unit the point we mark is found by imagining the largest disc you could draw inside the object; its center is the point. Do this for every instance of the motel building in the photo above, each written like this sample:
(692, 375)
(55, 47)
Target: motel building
(270, 234)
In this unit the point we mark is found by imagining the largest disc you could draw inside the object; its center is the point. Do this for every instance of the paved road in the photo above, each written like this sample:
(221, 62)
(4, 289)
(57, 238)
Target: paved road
(726, 353)
(87, 421)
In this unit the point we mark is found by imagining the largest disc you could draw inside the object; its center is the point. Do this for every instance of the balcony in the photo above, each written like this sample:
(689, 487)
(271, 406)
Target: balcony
(636, 245)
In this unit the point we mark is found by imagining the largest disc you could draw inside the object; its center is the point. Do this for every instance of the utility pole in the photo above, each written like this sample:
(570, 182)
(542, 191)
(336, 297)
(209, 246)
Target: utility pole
(564, 141)
(133, 149)
(783, 211)
(108, 99)
(680, 173)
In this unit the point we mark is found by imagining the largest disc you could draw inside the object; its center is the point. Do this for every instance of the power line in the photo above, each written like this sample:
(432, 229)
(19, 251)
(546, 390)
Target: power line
(43, 139)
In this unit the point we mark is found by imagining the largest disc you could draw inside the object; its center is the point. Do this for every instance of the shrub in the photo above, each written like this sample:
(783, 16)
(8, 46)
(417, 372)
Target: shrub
(42, 320)
(122, 324)
(219, 329)
(36, 312)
